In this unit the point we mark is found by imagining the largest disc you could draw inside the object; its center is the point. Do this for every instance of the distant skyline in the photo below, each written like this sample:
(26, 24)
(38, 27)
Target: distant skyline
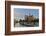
(19, 13)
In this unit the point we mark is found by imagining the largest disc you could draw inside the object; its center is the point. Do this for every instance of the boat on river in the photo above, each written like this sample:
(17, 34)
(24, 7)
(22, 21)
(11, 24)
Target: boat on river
(27, 24)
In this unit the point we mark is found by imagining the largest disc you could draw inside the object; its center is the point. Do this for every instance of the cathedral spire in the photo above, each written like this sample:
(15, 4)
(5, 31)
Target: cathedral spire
(29, 14)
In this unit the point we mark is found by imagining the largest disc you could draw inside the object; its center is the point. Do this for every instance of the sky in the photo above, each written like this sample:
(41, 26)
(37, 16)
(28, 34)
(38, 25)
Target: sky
(19, 13)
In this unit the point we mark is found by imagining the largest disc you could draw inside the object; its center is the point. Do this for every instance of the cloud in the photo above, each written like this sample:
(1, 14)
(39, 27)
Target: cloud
(19, 16)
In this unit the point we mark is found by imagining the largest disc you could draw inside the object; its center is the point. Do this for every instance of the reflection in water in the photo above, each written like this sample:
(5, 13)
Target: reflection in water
(26, 25)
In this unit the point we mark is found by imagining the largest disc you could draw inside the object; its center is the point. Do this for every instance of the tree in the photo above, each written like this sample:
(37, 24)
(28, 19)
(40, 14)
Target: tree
(20, 20)
(36, 20)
